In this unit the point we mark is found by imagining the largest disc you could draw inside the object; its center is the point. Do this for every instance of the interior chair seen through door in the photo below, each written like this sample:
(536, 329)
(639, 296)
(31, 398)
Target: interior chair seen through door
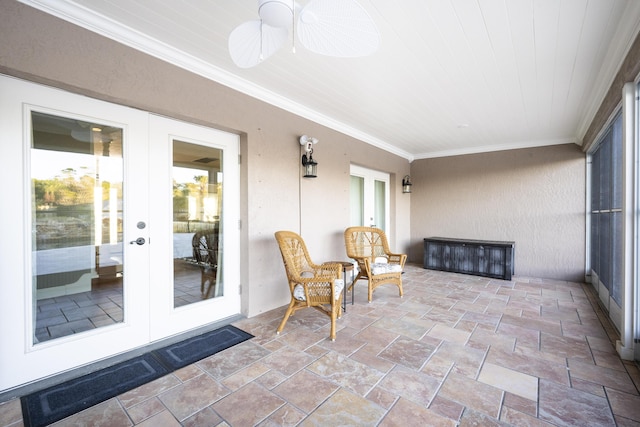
(376, 263)
(311, 285)
(205, 254)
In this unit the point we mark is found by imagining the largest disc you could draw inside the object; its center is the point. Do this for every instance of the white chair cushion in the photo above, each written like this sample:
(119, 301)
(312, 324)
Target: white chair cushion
(298, 290)
(339, 286)
(298, 293)
(384, 268)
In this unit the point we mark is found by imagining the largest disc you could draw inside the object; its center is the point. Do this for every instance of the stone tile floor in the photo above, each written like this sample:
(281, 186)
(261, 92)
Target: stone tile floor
(457, 350)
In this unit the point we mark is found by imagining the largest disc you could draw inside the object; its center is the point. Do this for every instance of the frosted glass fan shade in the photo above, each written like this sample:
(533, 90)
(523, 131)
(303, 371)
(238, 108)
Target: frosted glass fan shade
(340, 28)
(246, 48)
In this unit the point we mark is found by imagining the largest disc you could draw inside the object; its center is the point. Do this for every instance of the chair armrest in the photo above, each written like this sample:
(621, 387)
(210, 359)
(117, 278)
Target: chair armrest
(366, 263)
(327, 272)
(330, 269)
(397, 259)
(319, 273)
(359, 259)
(324, 276)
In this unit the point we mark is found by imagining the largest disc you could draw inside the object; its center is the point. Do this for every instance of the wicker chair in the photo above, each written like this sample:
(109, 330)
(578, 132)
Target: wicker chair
(377, 264)
(311, 285)
(205, 255)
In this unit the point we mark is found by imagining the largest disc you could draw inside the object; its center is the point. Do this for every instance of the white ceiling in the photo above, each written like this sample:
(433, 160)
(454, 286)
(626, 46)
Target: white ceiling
(450, 76)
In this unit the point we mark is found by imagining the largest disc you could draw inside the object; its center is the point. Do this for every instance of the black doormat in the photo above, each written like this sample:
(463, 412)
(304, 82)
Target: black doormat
(193, 349)
(57, 402)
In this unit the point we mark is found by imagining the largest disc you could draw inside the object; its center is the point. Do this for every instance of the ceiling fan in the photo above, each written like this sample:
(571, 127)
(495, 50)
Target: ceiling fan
(338, 28)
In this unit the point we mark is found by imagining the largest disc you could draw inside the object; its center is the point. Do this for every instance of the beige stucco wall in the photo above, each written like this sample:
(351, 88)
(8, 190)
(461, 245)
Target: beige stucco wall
(44, 49)
(535, 197)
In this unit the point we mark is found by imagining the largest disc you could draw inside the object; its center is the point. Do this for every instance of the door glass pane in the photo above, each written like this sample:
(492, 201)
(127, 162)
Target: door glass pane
(357, 200)
(76, 199)
(606, 204)
(617, 178)
(379, 200)
(197, 212)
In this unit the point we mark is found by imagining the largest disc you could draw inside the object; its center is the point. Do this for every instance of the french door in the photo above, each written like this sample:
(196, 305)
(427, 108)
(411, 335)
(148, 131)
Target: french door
(369, 197)
(94, 260)
(197, 204)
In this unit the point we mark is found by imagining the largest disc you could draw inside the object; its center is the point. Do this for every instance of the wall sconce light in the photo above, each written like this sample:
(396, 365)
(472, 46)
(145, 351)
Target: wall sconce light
(406, 184)
(310, 165)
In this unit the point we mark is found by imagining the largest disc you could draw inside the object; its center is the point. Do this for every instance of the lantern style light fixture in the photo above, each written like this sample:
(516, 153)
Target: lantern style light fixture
(406, 184)
(310, 165)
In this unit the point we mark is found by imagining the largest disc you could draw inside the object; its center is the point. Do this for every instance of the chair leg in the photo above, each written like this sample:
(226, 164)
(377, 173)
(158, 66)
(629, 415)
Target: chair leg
(334, 310)
(207, 283)
(353, 282)
(210, 288)
(286, 316)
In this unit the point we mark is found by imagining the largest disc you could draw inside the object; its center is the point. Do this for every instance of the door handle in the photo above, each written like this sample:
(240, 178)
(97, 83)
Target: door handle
(139, 241)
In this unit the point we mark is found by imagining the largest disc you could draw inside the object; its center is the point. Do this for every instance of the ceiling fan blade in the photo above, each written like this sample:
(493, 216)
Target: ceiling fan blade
(340, 28)
(252, 42)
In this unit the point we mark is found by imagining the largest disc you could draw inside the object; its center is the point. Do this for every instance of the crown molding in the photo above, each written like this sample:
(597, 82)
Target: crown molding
(492, 148)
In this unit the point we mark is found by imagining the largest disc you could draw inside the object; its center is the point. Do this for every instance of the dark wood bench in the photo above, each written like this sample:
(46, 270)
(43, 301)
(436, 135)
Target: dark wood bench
(478, 257)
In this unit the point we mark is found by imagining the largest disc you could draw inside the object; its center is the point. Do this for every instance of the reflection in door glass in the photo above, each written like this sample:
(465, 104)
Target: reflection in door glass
(197, 212)
(76, 199)
(356, 192)
(379, 201)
